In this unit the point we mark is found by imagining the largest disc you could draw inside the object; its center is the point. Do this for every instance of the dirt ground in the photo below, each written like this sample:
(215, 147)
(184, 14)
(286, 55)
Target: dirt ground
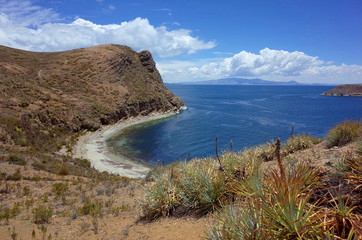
(116, 204)
(118, 218)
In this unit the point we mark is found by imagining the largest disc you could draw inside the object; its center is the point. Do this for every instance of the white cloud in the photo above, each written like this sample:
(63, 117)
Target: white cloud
(51, 36)
(269, 64)
(111, 7)
(24, 13)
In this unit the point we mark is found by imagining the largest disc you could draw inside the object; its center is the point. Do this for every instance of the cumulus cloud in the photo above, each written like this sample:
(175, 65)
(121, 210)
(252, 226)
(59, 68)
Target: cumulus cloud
(269, 64)
(56, 36)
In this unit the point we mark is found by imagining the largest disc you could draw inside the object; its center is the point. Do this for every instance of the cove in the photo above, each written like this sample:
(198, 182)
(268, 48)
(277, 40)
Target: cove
(247, 115)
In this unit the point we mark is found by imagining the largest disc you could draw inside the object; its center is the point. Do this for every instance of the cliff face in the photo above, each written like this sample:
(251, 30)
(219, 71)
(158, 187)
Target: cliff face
(46, 96)
(345, 90)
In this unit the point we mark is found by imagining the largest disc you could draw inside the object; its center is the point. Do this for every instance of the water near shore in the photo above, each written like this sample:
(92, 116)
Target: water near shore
(247, 115)
(92, 146)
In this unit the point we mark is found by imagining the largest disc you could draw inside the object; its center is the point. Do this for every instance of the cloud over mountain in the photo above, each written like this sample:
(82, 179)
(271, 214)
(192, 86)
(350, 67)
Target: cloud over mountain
(269, 64)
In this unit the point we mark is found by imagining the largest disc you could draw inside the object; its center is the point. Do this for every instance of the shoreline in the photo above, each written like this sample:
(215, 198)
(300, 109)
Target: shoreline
(92, 146)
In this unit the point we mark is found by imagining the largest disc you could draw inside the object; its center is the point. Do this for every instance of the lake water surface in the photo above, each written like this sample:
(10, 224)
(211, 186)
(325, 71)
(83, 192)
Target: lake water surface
(247, 115)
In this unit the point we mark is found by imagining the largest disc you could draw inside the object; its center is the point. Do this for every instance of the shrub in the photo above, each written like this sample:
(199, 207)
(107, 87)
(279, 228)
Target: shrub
(84, 163)
(15, 177)
(92, 208)
(24, 104)
(274, 206)
(60, 189)
(160, 199)
(203, 186)
(42, 215)
(358, 148)
(344, 133)
(64, 170)
(299, 142)
(26, 191)
(14, 159)
(197, 186)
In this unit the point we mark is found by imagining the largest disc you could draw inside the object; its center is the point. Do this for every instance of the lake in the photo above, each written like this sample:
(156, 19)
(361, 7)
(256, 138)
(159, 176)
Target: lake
(247, 115)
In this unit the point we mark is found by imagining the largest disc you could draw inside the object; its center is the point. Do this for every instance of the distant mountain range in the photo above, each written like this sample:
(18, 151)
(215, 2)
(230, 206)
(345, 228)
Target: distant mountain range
(243, 81)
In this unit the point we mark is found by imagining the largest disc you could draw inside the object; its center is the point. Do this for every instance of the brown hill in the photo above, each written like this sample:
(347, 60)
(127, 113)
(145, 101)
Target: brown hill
(46, 96)
(345, 90)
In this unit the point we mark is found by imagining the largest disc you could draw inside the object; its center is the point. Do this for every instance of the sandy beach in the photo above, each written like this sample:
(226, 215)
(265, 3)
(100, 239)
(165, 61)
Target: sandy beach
(92, 146)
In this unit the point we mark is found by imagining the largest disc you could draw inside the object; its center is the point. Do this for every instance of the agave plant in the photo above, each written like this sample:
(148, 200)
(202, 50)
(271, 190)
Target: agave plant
(161, 198)
(240, 222)
(202, 185)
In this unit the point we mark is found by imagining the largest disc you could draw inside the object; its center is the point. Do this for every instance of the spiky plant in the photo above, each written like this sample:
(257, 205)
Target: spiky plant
(299, 142)
(274, 206)
(240, 222)
(203, 186)
(161, 198)
(344, 133)
(341, 221)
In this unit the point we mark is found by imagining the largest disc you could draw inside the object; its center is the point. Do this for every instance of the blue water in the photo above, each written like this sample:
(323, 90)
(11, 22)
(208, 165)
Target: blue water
(247, 115)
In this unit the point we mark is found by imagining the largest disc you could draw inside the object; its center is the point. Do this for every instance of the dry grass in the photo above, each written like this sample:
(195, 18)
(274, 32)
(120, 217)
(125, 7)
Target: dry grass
(283, 201)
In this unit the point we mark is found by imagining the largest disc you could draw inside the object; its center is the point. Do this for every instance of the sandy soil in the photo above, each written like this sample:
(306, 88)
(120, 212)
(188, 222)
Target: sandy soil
(119, 207)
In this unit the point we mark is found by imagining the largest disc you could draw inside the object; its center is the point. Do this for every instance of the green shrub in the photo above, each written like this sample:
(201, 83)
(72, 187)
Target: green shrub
(15, 177)
(344, 133)
(24, 104)
(91, 208)
(203, 185)
(26, 191)
(273, 206)
(358, 148)
(299, 142)
(160, 199)
(84, 163)
(42, 215)
(14, 159)
(60, 189)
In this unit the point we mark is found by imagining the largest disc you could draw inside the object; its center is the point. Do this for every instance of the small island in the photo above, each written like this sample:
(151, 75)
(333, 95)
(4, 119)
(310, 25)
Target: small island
(345, 90)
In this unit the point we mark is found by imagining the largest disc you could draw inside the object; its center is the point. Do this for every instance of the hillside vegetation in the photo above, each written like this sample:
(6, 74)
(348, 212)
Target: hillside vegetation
(45, 97)
(269, 191)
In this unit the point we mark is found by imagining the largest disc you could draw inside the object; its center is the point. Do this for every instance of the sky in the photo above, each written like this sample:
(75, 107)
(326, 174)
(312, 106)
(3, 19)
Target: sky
(309, 41)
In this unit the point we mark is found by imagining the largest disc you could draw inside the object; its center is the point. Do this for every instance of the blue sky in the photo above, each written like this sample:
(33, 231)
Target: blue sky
(282, 40)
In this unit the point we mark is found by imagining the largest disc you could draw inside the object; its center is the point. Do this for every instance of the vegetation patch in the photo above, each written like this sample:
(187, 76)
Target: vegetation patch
(344, 133)
(42, 214)
(285, 201)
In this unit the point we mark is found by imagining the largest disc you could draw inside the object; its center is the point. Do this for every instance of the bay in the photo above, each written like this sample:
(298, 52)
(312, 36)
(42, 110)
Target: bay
(247, 115)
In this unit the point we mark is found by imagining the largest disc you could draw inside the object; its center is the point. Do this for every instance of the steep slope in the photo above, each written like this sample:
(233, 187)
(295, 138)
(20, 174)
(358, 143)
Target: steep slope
(46, 96)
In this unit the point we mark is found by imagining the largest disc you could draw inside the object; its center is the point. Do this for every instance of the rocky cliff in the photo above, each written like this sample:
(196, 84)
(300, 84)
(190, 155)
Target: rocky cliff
(345, 90)
(44, 97)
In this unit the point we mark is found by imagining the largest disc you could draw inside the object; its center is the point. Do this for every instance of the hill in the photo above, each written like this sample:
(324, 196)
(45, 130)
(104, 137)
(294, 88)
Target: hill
(44, 97)
(345, 90)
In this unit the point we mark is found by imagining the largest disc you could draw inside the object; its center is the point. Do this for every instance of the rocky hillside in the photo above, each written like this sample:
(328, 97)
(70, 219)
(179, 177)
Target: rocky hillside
(45, 97)
(345, 90)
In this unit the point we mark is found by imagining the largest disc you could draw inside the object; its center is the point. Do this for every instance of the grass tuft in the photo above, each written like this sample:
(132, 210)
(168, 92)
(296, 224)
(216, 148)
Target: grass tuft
(344, 133)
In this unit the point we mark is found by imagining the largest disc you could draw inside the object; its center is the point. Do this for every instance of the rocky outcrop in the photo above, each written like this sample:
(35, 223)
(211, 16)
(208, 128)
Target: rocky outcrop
(345, 90)
(44, 97)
